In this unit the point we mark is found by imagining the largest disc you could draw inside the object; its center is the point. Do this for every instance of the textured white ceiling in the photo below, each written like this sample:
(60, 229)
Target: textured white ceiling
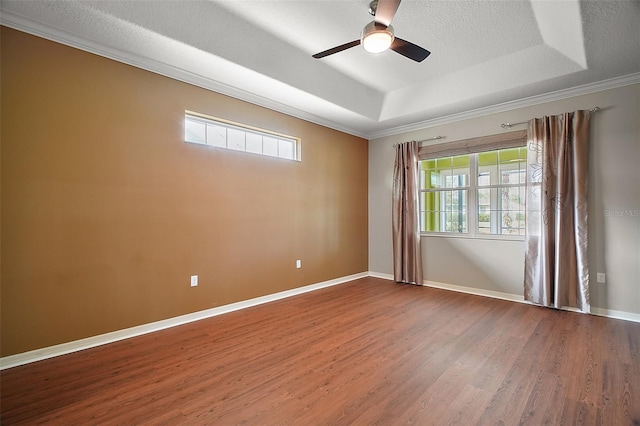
(483, 52)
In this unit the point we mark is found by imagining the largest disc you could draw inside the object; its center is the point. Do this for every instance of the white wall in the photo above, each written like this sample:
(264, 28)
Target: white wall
(490, 265)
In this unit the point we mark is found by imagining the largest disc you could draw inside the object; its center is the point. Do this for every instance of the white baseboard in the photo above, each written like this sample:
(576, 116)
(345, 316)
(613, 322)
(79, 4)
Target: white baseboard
(609, 313)
(477, 291)
(103, 339)
(460, 289)
(381, 275)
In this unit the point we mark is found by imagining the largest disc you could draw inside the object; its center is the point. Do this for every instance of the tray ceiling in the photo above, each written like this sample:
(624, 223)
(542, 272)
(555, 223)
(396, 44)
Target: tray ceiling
(484, 53)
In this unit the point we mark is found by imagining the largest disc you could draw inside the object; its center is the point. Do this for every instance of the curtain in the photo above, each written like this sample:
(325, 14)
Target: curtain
(407, 261)
(556, 258)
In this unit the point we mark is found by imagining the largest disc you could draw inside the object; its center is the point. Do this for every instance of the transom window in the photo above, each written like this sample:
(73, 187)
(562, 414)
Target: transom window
(225, 134)
(475, 194)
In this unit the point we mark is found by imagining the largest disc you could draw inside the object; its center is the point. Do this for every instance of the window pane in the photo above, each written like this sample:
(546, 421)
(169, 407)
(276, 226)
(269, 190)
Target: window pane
(444, 211)
(430, 174)
(512, 164)
(285, 149)
(254, 143)
(460, 161)
(431, 221)
(485, 211)
(194, 131)
(447, 172)
(512, 222)
(430, 211)
(458, 175)
(455, 222)
(484, 178)
(235, 139)
(487, 158)
(512, 173)
(216, 135)
(454, 206)
(487, 175)
(511, 155)
(435, 179)
(512, 177)
(459, 179)
(270, 146)
(512, 198)
(512, 210)
(488, 168)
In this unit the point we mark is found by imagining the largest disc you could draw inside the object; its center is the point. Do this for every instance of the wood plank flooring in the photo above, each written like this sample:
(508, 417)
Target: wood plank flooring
(366, 352)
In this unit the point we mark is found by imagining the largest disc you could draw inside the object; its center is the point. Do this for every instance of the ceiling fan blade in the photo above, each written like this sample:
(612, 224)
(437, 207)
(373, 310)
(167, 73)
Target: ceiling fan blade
(336, 49)
(386, 10)
(410, 50)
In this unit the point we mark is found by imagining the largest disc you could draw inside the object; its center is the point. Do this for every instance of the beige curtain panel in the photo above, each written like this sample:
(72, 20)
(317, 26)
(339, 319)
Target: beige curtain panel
(407, 261)
(556, 258)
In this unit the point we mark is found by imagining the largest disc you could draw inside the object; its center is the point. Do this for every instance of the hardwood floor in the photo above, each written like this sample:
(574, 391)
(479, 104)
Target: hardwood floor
(366, 352)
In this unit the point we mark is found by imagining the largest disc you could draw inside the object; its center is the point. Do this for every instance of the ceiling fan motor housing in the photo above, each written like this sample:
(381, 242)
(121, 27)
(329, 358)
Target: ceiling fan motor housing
(376, 37)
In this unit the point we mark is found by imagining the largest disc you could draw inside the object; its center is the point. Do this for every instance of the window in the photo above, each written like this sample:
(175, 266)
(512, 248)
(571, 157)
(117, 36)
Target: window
(474, 194)
(501, 191)
(444, 197)
(225, 134)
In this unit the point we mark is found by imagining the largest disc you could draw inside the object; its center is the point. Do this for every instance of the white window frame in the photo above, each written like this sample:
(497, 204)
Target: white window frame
(445, 189)
(286, 143)
(496, 225)
(473, 147)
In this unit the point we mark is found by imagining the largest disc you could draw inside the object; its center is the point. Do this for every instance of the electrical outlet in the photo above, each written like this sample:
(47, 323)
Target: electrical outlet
(298, 263)
(601, 278)
(194, 281)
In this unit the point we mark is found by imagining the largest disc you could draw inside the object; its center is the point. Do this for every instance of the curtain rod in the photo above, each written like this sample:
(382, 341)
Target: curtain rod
(424, 140)
(510, 125)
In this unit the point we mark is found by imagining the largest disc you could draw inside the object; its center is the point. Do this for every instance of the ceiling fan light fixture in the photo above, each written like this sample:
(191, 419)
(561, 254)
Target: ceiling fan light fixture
(377, 38)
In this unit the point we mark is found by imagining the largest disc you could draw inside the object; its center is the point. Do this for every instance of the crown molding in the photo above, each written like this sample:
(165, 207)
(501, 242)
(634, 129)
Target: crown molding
(20, 23)
(571, 92)
(28, 26)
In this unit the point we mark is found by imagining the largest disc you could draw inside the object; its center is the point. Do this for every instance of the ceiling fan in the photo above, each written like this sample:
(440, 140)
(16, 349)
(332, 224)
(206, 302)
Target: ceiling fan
(377, 36)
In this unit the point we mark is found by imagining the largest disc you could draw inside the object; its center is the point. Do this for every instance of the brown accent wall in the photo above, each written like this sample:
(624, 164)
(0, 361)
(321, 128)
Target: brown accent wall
(106, 212)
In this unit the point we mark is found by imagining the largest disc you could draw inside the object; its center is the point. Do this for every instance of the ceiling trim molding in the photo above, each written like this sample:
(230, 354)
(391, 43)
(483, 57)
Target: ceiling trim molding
(20, 23)
(28, 26)
(585, 89)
